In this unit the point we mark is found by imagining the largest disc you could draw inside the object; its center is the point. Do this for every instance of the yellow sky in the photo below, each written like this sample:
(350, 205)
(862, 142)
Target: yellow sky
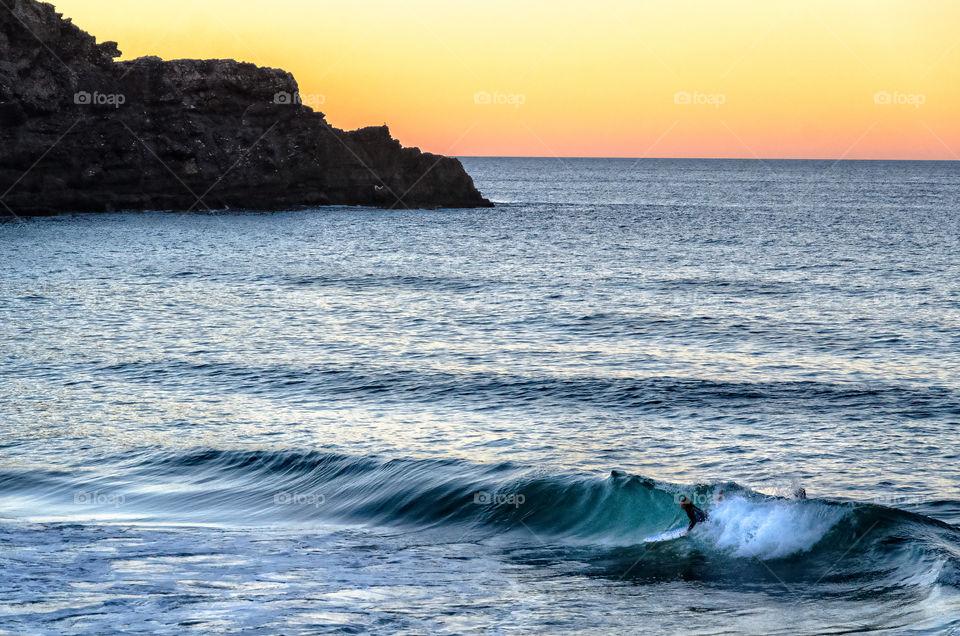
(665, 78)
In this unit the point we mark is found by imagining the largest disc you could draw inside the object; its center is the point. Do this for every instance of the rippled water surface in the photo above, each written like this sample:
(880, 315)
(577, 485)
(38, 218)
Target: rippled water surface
(456, 421)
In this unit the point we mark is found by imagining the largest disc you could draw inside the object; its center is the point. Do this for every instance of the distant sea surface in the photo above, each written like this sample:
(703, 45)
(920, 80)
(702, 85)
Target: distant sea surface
(355, 420)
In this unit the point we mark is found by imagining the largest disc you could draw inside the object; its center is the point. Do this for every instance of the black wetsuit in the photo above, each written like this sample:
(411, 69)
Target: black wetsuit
(696, 516)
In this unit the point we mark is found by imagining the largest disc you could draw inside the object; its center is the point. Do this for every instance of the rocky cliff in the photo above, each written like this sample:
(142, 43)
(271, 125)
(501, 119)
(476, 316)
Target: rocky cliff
(80, 131)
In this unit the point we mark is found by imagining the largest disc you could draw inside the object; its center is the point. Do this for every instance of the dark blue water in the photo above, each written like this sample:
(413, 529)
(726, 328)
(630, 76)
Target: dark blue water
(467, 421)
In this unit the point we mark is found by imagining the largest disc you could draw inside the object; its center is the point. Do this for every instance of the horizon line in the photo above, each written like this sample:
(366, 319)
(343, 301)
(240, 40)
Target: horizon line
(761, 159)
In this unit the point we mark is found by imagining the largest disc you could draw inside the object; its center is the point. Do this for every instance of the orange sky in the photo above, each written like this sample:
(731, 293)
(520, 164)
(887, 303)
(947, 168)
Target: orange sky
(665, 78)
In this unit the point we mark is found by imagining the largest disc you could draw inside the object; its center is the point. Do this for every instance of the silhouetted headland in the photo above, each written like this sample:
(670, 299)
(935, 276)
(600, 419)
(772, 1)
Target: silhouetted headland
(82, 132)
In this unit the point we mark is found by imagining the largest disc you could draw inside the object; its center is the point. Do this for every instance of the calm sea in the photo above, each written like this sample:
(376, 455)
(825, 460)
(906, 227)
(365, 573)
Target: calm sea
(359, 420)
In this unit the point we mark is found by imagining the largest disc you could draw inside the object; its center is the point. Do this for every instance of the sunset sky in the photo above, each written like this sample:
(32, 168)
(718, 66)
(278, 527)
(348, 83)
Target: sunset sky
(858, 79)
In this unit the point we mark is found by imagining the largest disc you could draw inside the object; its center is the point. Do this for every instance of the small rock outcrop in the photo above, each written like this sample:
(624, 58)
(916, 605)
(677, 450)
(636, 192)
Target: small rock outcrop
(82, 132)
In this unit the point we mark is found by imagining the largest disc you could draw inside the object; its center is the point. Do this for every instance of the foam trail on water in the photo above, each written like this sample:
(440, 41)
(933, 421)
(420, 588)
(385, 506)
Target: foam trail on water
(769, 529)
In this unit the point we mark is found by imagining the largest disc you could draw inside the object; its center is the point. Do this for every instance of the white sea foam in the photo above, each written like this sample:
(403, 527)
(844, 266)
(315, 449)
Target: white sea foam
(769, 529)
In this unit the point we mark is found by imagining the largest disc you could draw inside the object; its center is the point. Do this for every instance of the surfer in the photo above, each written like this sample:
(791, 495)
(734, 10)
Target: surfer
(695, 514)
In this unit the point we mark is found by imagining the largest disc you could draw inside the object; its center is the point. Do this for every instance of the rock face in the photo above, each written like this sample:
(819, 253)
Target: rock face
(81, 132)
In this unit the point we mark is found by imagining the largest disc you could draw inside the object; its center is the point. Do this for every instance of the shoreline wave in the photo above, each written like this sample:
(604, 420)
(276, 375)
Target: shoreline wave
(454, 497)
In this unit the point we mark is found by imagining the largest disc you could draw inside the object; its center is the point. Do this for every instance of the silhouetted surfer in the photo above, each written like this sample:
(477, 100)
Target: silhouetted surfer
(695, 514)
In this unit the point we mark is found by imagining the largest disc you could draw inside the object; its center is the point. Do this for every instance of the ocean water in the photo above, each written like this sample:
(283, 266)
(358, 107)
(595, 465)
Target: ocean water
(466, 421)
